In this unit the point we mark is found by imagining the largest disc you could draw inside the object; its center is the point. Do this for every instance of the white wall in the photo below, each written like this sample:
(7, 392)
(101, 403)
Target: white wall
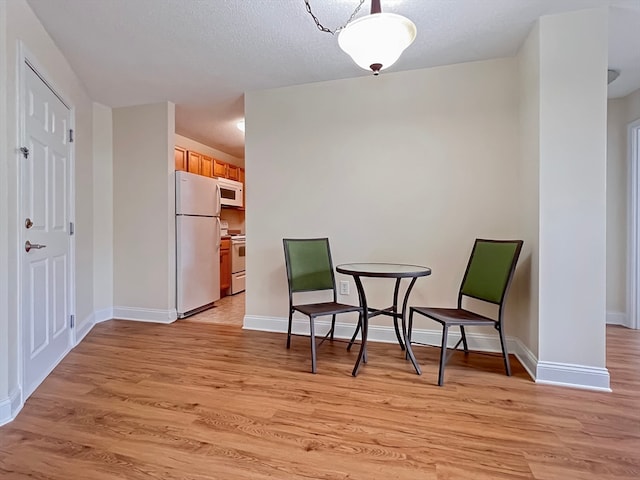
(527, 324)
(19, 24)
(620, 113)
(617, 200)
(633, 106)
(405, 167)
(144, 212)
(573, 102)
(103, 210)
(189, 144)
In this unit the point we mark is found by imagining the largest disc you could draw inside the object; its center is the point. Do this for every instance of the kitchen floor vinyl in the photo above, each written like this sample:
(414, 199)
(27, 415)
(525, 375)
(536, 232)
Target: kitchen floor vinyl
(228, 310)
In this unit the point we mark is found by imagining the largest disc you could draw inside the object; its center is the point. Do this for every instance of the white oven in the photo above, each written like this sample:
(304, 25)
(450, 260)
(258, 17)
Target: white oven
(230, 192)
(238, 273)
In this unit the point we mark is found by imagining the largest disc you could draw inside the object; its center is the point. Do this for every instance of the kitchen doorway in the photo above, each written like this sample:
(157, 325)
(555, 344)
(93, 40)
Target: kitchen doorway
(228, 310)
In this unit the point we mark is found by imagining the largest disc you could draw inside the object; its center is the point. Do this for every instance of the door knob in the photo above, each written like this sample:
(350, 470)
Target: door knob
(36, 246)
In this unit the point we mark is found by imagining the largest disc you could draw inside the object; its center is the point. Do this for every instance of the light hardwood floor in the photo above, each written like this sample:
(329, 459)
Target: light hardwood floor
(209, 401)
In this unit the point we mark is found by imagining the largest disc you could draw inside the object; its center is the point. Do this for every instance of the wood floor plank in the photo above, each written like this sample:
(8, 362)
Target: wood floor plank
(197, 400)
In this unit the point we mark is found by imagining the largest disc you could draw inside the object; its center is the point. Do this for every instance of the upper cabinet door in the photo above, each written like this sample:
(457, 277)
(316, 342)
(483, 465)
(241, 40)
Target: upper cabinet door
(219, 169)
(233, 172)
(181, 159)
(206, 166)
(193, 162)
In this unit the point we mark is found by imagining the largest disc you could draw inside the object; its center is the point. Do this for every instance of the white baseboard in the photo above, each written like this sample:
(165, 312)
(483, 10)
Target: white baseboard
(10, 407)
(576, 376)
(377, 333)
(103, 315)
(84, 328)
(618, 318)
(145, 314)
(526, 357)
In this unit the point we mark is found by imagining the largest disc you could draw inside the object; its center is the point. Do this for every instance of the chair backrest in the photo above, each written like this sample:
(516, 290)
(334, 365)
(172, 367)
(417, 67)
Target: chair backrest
(309, 265)
(490, 269)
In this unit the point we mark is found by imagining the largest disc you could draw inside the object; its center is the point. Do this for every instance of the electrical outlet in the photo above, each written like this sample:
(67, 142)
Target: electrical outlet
(344, 287)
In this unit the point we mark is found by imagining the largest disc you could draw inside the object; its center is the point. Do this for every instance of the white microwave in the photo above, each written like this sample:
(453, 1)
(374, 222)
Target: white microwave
(230, 192)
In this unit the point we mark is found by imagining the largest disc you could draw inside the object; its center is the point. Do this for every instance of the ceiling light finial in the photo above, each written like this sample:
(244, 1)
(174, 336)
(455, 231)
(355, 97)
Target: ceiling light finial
(374, 42)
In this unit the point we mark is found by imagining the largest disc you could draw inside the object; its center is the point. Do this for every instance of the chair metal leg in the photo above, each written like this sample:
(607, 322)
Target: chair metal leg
(289, 329)
(464, 340)
(313, 345)
(333, 326)
(443, 354)
(505, 354)
(407, 340)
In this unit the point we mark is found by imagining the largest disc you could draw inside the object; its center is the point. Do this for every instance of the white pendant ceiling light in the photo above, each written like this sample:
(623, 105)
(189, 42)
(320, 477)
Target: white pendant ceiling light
(376, 41)
(612, 75)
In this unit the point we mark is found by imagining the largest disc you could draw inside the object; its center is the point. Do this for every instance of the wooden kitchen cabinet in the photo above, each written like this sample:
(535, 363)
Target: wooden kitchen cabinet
(200, 164)
(206, 166)
(193, 162)
(233, 172)
(219, 169)
(225, 266)
(181, 158)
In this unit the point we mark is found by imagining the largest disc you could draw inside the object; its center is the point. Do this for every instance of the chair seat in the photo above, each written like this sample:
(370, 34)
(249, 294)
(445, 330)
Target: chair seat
(326, 308)
(454, 316)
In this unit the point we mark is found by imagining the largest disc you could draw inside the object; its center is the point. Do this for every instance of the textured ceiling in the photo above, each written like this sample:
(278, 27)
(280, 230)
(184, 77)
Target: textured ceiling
(204, 54)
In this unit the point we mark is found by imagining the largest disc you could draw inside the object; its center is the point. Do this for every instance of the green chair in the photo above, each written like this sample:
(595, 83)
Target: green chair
(310, 269)
(487, 278)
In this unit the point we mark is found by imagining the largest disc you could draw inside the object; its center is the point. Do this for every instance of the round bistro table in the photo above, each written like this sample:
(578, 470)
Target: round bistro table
(384, 270)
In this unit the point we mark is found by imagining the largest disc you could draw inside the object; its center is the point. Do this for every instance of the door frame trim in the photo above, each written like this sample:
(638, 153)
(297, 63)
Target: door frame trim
(26, 59)
(633, 212)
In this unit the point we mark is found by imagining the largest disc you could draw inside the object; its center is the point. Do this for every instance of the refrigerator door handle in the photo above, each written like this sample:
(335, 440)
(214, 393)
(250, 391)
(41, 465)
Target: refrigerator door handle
(218, 243)
(218, 200)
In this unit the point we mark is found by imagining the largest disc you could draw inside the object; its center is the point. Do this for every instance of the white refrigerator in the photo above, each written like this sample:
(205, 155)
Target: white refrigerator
(197, 243)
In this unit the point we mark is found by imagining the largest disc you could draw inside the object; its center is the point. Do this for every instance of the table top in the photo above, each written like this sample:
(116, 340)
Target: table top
(383, 270)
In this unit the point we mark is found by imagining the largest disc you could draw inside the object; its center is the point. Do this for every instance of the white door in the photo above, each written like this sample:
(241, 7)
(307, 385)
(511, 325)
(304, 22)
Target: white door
(45, 172)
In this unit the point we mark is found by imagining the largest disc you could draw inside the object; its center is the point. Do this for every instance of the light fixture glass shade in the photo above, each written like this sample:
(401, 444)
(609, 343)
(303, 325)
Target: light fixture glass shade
(379, 38)
(612, 75)
(240, 125)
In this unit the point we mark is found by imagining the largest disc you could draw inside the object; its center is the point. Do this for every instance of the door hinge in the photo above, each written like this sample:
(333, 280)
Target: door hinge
(72, 321)
(72, 228)
(71, 135)
(24, 151)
